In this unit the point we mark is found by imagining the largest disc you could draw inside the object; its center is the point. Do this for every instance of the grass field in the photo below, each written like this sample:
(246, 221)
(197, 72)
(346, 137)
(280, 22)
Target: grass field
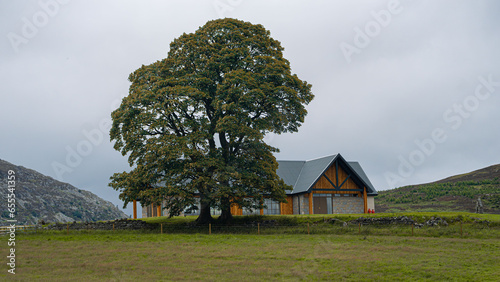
(369, 256)
(131, 256)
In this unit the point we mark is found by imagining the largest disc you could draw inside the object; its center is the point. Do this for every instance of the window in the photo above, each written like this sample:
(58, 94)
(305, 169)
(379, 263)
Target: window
(273, 207)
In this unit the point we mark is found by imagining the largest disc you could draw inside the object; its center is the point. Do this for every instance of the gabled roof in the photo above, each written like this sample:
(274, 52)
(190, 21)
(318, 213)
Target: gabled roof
(302, 175)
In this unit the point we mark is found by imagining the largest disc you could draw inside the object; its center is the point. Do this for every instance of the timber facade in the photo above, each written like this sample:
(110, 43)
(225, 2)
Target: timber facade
(328, 185)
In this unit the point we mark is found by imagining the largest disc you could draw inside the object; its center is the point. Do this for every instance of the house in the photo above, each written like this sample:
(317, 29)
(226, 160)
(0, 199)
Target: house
(328, 185)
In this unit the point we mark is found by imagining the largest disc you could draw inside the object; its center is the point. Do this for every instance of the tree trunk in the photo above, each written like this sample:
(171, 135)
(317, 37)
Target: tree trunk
(225, 217)
(205, 216)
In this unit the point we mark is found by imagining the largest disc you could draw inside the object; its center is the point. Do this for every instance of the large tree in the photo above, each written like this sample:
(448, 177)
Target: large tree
(193, 124)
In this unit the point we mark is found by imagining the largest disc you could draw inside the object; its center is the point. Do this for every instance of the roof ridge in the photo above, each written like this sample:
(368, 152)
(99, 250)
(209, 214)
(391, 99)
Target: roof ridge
(315, 159)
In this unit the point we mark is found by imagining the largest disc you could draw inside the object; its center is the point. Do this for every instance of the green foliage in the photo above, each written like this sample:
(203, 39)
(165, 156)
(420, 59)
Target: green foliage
(193, 124)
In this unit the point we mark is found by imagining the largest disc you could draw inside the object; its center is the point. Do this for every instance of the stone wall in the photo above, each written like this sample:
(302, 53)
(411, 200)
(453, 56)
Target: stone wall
(124, 224)
(344, 205)
(302, 202)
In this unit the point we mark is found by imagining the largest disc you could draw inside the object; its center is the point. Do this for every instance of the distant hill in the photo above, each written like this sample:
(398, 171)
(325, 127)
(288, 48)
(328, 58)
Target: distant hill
(39, 197)
(455, 193)
(487, 173)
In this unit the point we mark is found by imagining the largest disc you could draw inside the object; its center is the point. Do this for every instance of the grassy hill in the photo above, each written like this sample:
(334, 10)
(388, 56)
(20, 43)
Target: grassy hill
(455, 193)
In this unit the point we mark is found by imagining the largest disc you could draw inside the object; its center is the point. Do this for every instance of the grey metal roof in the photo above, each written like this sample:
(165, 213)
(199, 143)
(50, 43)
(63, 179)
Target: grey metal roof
(357, 168)
(289, 171)
(311, 172)
(302, 175)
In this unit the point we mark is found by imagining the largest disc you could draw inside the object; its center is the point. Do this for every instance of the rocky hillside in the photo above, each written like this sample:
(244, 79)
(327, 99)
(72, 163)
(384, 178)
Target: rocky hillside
(455, 193)
(39, 197)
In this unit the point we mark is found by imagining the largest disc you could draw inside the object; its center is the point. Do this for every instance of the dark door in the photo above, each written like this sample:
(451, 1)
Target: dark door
(320, 206)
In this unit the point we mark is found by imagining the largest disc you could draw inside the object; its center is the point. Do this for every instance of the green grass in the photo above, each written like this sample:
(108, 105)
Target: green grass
(137, 255)
(463, 251)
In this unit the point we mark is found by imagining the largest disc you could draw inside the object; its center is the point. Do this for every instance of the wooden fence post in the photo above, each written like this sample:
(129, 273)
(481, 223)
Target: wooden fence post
(258, 228)
(360, 227)
(161, 228)
(308, 229)
(209, 228)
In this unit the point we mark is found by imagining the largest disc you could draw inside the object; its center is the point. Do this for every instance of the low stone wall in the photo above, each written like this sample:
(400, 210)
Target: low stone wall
(400, 220)
(119, 224)
(404, 220)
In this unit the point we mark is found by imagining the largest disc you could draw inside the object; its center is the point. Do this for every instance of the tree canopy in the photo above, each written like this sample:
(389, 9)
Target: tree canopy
(193, 124)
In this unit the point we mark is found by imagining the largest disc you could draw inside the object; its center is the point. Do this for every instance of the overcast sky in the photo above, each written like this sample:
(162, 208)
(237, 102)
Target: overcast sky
(410, 89)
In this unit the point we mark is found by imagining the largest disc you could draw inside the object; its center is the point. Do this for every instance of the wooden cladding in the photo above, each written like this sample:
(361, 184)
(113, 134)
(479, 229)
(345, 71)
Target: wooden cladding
(341, 179)
(236, 210)
(287, 208)
(311, 211)
(135, 209)
(365, 200)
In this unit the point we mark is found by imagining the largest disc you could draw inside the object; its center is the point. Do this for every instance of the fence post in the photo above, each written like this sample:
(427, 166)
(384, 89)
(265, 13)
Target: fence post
(258, 228)
(209, 228)
(359, 228)
(161, 232)
(308, 229)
